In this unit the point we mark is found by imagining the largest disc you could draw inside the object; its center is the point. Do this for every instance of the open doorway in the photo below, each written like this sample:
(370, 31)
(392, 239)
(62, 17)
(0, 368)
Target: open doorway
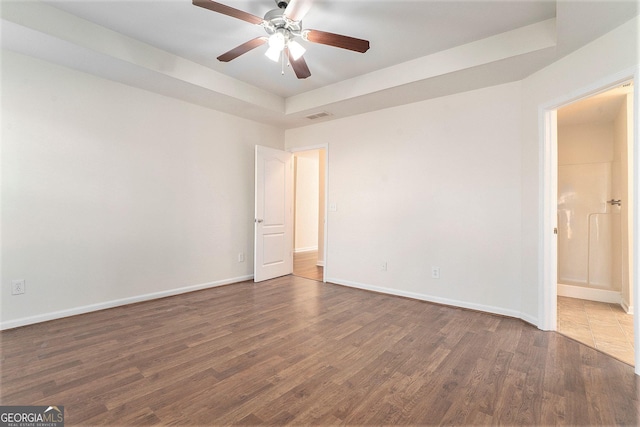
(594, 227)
(309, 214)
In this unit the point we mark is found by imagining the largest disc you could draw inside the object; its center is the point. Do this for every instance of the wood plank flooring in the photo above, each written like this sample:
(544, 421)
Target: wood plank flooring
(296, 351)
(305, 264)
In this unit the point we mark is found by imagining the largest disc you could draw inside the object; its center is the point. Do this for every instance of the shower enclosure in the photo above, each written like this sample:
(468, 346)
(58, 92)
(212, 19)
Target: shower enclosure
(589, 228)
(593, 202)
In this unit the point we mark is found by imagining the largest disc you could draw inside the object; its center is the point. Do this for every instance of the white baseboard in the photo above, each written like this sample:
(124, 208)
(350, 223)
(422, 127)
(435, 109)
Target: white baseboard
(529, 319)
(438, 300)
(627, 308)
(116, 303)
(601, 295)
(307, 249)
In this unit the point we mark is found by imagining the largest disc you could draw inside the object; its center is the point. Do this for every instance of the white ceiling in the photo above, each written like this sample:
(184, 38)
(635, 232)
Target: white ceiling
(419, 49)
(398, 31)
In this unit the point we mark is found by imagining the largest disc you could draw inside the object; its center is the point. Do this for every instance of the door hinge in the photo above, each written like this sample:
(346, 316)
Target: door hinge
(555, 230)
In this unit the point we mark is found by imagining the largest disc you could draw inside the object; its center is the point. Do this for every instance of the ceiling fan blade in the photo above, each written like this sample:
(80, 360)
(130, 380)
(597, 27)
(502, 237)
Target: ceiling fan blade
(336, 40)
(228, 10)
(242, 49)
(297, 9)
(299, 66)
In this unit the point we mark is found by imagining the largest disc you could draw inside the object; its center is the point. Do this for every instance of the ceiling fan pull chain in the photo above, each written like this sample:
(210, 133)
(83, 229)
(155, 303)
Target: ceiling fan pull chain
(282, 61)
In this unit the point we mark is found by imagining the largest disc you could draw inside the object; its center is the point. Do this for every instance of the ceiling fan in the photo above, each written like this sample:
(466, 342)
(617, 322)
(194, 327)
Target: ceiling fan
(283, 26)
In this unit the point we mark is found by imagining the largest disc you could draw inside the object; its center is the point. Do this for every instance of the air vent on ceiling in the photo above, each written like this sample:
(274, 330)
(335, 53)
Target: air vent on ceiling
(628, 84)
(319, 115)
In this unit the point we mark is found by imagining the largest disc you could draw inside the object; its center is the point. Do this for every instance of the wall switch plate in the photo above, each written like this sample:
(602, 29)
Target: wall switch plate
(333, 207)
(241, 257)
(435, 272)
(17, 287)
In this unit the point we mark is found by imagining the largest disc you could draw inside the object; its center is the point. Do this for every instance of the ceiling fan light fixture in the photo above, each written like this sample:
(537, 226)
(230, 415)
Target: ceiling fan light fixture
(295, 49)
(273, 53)
(278, 39)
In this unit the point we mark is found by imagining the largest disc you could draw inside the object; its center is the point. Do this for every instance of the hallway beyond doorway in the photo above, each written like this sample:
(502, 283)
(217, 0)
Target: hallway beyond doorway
(305, 264)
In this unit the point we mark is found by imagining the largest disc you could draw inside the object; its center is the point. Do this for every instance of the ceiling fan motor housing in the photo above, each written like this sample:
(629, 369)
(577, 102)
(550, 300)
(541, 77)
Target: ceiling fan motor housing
(275, 19)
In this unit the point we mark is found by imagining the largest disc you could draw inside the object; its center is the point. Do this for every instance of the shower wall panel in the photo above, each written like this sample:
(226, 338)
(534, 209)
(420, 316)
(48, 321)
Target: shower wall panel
(603, 227)
(585, 225)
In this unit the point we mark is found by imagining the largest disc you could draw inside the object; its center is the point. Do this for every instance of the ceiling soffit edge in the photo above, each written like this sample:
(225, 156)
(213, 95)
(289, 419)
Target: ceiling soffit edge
(84, 39)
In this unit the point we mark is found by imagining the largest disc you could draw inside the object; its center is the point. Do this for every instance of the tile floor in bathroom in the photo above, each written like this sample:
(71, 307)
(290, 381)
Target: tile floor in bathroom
(600, 325)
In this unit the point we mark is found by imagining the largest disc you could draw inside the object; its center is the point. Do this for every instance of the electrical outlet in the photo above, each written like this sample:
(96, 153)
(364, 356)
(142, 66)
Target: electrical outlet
(241, 257)
(17, 287)
(383, 266)
(435, 272)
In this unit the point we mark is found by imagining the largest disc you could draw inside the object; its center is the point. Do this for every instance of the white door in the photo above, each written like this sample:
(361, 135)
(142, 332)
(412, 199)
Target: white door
(273, 249)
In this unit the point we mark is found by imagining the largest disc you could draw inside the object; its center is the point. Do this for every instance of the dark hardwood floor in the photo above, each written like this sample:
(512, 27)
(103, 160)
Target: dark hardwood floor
(296, 351)
(305, 264)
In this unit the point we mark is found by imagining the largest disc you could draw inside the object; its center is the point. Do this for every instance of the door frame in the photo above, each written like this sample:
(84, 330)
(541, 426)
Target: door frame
(324, 147)
(547, 119)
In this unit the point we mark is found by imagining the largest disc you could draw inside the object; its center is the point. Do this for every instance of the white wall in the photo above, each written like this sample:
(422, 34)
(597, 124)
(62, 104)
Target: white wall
(306, 201)
(585, 143)
(436, 183)
(112, 194)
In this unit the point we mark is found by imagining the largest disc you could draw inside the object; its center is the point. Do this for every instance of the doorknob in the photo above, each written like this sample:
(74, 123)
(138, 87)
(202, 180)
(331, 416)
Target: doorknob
(258, 221)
